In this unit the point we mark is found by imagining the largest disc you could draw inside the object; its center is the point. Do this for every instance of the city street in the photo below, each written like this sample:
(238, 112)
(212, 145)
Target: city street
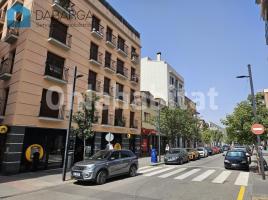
(202, 179)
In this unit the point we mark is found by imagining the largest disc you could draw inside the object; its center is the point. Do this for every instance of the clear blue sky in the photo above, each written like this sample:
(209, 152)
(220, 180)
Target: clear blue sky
(208, 42)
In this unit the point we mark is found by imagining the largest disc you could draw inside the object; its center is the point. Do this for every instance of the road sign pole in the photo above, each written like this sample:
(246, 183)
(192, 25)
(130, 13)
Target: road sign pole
(259, 151)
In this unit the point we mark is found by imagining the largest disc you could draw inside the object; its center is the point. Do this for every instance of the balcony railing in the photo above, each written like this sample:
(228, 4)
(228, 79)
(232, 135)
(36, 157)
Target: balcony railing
(12, 35)
(60, 38)
(110, 40)
(120, 122)
(5, 69)
(134, 78)
(64, 6)
(110, 92)
(110, 66)
(96, 58)
(97, 30)
(135, 58)
(95, 87)
(122, 72)
(122, 49)
(2, 16)
(56, 72)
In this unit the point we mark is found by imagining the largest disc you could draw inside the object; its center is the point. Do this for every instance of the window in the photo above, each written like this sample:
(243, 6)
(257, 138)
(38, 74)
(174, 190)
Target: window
(58, 30)
(132, 96)
(50, 104)
(120, 66)
(105, 115)
(119, 121)
(54, 65)
(147, 117)
(92, 76)
(119, 91)
(95, 23)
(115, 155)
(121, 43)
(109, 35)
(131, 119)
(94, 49)
(126, 154)
(171, 80)
(106, 89)
(108, 58)
(3, 100)
(12, 55)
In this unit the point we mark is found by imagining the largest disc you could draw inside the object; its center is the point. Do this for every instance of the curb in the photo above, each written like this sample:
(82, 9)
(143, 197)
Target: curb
(260, 198)
(156, 164)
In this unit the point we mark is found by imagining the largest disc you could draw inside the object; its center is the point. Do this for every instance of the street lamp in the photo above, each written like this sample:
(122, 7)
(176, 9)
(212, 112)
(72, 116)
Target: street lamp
(66, 151)
(255, 116)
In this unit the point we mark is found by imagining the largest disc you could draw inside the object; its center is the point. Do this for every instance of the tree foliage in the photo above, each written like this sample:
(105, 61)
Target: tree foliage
(238, 124)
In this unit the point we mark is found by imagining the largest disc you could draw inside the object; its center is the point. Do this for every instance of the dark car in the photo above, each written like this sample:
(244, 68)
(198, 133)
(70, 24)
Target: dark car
(210, 151)
(106, 164)
(176, 156)
(236, 159)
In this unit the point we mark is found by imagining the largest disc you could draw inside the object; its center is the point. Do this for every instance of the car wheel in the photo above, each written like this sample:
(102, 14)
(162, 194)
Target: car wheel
(181, 162)
(101, 177)
(132, 171)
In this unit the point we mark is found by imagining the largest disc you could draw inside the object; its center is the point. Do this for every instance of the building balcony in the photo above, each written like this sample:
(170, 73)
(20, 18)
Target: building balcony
(134, 79)
(120, 98)
(97, 31)
(56, 73)
(5, 69)
(135, 58)
(95, 87)
(11, 35)
(111, 40)
(96, 58)
(64, 7)
(60, 39)
(120, 122)
(123, 50)
(110, 66)
(52, 115)
(2, 16)
(122, 73)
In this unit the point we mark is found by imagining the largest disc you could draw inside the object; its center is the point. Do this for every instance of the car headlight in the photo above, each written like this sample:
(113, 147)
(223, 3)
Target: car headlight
(244, 162)
(226, 161)
(90, 167)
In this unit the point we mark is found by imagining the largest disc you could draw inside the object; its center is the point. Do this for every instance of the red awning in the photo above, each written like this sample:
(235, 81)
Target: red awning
(148, 131)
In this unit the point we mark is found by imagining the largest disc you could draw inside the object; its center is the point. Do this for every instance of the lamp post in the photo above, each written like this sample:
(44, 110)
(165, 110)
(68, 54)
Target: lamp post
(66, 151)
(254, 106)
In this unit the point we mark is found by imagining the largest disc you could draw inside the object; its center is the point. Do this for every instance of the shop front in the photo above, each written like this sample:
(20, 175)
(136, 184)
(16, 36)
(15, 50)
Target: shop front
(2, 147)
(148, 141)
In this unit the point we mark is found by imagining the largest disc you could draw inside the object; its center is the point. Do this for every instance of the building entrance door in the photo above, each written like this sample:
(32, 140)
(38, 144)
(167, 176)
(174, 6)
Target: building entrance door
(2, 147)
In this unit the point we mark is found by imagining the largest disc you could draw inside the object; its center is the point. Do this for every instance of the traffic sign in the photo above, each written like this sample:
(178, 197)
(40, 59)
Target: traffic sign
(257, 129)
(109, 137)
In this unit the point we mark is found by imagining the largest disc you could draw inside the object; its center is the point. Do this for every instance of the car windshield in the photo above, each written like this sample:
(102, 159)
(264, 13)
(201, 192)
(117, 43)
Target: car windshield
(241, 148)
(235, 154)
(200, 149)
(175, 151)
(100, 155)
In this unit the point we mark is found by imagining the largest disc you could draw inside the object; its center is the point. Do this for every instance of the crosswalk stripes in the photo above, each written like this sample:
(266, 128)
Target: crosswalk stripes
(203, 176)
(242, 179)
(222, 177)
(159, 171)
(150, 169)
(146, 167)
(172, 173)
(187, 174)
(200, 174)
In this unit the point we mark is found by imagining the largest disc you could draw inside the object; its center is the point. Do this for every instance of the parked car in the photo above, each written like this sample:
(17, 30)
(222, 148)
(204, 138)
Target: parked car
(176, 156)
(210, 152)
(236, 159)
(226, 148)
(104, 165)
(202, 152)
(246, 149)
(192, 154)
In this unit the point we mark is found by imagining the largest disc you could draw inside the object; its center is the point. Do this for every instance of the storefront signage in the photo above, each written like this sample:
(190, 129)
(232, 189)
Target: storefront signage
(33, 149)
(117, 146)
(3, 129)
(109, 137)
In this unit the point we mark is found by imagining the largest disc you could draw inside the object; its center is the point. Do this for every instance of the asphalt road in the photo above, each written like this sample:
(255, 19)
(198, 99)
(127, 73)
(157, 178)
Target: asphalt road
(205, 179)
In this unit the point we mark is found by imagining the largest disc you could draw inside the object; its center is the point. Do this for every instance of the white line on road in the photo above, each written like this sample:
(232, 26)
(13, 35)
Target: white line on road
(203, 176)
(242, 179)
(148, 170)
(222, 177)
(159, 171)
(146, 167)
(172, 173)
(183, 176)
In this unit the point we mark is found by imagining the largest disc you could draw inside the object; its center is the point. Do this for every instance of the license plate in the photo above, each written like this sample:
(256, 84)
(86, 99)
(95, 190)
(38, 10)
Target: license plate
(77, 174)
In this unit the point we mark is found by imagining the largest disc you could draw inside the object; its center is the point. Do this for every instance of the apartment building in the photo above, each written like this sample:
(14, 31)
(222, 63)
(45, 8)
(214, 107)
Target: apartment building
(190, 105)
(36, 71)
(162, 80)
(266, 97)
(264, 15)
(149, 134)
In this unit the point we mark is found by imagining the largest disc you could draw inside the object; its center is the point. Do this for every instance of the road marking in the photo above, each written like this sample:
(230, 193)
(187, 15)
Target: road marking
(242, 179)
(172, 173)
(148, 170)
(159, 171)
(222, 177)
(203, 176)
(183, 176)
(241, 193)
(146, 167)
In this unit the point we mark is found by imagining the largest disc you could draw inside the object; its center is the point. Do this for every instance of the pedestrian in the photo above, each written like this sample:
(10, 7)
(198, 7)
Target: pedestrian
(167, 148)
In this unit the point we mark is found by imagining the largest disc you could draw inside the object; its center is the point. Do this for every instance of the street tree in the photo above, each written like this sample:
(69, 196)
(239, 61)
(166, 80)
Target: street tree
(84, 118)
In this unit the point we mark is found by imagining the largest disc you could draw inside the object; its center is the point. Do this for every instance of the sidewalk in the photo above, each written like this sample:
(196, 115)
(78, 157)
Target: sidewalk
(33, 181)
(259, 186)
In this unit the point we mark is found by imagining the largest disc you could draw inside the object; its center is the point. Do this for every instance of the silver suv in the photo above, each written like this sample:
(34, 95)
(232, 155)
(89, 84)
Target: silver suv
(106, 164)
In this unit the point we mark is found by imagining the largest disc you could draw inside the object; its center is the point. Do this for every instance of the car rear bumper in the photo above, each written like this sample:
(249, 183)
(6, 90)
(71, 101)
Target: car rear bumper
(236, 166)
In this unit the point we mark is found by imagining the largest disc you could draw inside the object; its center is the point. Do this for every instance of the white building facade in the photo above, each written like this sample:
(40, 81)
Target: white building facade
(162, 80)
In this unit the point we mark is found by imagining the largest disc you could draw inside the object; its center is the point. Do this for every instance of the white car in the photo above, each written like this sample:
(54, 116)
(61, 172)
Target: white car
(202, 152)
